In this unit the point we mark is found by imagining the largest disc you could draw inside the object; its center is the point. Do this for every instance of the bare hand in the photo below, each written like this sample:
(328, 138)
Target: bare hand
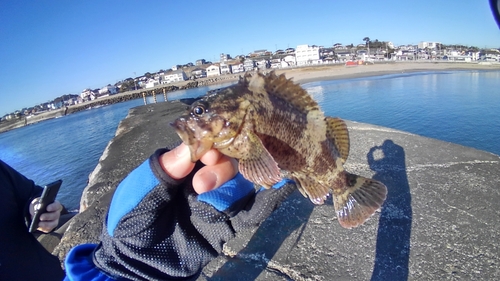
(50, 219)
(218, 170)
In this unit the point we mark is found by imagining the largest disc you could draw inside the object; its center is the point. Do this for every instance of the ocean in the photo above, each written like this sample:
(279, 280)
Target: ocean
(456, 106)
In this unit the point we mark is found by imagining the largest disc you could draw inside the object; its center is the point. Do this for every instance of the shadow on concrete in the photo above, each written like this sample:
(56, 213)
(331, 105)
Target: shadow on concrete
(394, 231)
(252, 260)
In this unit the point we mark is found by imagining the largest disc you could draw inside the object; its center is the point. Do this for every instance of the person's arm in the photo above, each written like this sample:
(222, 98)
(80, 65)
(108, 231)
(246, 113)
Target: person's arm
(24, 189)
(26, 194)
(158, 227)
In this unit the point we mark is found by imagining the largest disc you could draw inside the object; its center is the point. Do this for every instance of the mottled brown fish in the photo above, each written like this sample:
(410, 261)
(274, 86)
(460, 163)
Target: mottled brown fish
(275, 129)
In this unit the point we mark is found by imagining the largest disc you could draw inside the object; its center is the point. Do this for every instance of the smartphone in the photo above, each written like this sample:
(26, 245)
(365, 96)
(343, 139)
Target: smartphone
(48, 197)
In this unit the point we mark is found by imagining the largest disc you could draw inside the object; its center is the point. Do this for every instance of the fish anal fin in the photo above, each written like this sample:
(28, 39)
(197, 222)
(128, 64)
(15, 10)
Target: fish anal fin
(258, 166)
(337, 133)
(358, 201)
(309, 187)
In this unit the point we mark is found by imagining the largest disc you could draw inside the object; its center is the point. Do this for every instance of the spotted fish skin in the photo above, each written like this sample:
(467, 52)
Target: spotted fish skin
(276, 129)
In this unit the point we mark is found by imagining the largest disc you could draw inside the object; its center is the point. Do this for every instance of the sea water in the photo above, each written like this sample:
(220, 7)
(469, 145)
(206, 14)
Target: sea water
(457, 106)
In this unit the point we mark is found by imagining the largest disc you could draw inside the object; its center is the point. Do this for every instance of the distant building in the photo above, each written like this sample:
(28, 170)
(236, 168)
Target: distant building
(225, 69)
(213, 70)
(430, 45)
(224, 57)
(263, 64)
(200, 62)
(9, 116)
(305, 54)
(249, 64)
(108, 90)
(259, 53)
(199, 73)
(174, 76)
(237, 68)
(151, 83)
(290, 60)
(85, 94)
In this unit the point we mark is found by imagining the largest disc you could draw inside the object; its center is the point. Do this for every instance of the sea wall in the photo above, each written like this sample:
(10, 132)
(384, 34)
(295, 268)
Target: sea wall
(122, 97)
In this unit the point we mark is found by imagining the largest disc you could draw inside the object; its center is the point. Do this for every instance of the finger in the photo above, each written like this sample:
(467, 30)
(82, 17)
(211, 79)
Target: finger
(54, 207)
(51, 216)
(211, 177)
(211, 157)
(177, 162)
(47, 226)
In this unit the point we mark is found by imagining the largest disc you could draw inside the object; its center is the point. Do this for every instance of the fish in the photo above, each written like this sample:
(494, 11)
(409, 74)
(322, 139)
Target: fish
(276, 130)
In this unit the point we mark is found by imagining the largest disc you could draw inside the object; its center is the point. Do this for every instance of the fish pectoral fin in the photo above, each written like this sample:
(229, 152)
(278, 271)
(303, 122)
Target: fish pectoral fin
(337, 133)
(309, 187)
(358, 201)
(259, 166)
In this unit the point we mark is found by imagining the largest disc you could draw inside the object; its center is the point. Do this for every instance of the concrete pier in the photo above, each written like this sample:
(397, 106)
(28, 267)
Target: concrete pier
(440, 220)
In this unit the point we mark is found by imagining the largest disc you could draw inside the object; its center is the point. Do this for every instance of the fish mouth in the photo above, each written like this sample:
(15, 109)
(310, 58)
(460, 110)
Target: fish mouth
(196, 146)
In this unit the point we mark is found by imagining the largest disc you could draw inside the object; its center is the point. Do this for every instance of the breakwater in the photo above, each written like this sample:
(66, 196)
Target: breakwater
(117, 98)
(158, 90)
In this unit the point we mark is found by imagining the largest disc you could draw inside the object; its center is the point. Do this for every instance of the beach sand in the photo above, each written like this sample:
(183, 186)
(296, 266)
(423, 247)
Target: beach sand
(315, 73)
(332, 72)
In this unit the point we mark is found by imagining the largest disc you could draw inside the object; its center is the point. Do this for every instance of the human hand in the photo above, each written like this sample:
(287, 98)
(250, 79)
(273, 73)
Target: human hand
(218, 168)
(48, 220)
(173, 216)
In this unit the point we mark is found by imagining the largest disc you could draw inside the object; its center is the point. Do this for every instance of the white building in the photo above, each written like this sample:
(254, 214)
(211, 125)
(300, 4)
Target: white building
(199, 73)
(213, 70)
(237, 68)
(225, 69)
(290, 60)
(151, 83)
(249, 64)
(107, 90)
(174, 76)
(305, 54)
(430, 45)
(85, 93)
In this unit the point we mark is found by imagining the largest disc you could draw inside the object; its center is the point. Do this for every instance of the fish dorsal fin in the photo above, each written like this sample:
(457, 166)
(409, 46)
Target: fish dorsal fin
(337, 133)
(283, 88)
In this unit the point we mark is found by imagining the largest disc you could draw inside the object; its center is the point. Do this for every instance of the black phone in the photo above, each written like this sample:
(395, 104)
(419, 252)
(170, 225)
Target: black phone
(48, 197)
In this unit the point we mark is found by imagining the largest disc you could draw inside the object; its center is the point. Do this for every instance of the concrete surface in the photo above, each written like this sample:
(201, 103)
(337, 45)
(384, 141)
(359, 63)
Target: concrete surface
(440, 220)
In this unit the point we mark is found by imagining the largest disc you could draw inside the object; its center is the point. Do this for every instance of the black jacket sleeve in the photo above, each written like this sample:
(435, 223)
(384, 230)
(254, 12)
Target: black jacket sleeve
(21, 256)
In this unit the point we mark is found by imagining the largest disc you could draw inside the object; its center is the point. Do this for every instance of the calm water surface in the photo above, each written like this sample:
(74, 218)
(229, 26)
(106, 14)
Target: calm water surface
(460, 106)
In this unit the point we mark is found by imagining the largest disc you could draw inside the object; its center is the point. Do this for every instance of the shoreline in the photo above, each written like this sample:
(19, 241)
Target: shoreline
(301, 75)
(338, 72)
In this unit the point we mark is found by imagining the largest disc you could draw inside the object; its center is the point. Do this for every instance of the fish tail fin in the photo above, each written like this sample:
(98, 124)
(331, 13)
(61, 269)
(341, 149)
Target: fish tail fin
(358, 200)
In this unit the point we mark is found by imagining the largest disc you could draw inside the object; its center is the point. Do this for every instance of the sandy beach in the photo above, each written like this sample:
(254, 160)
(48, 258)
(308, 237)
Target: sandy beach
(304, 75)
(331, 72)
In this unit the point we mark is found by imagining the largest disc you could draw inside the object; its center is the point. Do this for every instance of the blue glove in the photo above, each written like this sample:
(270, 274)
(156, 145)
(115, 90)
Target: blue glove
(158, 228)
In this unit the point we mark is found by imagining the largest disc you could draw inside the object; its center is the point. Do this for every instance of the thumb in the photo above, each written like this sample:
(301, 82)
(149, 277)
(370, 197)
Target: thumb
(177, 162)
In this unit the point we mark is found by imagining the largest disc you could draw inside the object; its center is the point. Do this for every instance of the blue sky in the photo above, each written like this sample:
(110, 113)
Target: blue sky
(51, 48)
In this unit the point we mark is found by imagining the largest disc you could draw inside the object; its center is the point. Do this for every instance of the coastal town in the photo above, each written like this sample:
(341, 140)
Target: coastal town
(370, 52)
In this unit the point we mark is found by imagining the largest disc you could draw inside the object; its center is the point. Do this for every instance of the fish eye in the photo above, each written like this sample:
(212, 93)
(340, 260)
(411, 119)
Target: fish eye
(199, 110)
